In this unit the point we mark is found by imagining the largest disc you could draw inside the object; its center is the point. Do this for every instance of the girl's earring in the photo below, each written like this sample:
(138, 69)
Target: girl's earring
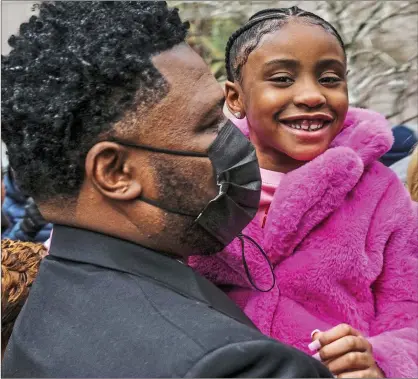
(238, 115)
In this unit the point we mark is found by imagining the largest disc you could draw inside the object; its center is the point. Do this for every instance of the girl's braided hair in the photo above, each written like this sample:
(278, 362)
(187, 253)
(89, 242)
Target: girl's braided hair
(244, 40)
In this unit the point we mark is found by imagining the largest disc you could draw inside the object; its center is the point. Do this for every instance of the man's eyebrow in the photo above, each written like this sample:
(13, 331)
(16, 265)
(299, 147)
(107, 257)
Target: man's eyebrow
(218, 106)
(213, 112)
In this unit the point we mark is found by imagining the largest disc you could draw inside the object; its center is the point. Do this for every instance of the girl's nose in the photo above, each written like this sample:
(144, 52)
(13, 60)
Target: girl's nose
(310, 97)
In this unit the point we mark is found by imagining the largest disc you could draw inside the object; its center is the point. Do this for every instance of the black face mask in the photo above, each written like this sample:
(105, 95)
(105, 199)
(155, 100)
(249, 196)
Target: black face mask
(237, 173)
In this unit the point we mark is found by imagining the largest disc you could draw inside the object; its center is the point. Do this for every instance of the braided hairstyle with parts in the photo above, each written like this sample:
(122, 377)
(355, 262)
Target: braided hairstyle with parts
(246, 39)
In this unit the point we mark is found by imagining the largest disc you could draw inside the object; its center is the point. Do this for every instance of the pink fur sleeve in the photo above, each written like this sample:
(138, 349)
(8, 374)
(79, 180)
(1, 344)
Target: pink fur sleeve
(394, 333)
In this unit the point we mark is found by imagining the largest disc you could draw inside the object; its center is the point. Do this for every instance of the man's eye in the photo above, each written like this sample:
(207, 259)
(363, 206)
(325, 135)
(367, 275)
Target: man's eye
(214, 126)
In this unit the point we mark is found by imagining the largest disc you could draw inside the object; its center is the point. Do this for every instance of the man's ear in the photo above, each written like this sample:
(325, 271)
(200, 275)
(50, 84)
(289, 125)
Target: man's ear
(111, 172)
(234, 101)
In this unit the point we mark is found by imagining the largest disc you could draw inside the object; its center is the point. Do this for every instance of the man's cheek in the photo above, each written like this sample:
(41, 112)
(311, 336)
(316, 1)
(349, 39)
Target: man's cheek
(204, 179)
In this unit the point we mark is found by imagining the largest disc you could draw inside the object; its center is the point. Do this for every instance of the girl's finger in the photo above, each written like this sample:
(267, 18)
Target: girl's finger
(314, 332)
(336, 333)
(349, 362)
(342, 346)
(315, 344)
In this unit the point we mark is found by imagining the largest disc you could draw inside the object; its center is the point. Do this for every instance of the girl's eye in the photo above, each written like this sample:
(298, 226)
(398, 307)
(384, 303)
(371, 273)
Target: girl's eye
(330, 79)
(284, 80)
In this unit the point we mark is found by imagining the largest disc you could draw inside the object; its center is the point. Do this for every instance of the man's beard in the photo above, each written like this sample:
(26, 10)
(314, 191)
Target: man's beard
(199, 240)
(177, 190)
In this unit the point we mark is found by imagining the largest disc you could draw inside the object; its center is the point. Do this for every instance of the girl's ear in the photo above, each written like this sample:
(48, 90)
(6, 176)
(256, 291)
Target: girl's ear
(233, 95)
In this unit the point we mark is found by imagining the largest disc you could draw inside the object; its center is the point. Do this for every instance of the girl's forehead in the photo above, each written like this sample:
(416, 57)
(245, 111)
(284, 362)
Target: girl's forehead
(299, 39)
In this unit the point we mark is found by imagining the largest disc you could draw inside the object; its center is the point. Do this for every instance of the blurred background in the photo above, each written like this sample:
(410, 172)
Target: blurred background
(381, 39)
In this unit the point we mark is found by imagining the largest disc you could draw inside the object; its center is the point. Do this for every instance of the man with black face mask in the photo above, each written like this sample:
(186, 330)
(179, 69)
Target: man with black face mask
(116, 129)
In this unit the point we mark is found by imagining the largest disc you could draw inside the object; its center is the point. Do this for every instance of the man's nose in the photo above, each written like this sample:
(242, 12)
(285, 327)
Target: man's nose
(310, 96)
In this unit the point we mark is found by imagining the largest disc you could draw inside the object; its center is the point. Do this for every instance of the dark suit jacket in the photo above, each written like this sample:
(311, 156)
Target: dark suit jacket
(103, 307)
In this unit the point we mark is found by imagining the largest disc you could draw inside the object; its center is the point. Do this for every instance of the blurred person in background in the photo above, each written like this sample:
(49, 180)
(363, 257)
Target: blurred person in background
(19, 266)
(404, 140)
(399, 155)
(412, 175)
(338, 227)
(24, 221)
(114, 126)
(3, 189)
(4, 221)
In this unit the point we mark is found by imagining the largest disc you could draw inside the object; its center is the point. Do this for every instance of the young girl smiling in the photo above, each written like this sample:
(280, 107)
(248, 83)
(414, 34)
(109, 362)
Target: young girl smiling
(338, 227)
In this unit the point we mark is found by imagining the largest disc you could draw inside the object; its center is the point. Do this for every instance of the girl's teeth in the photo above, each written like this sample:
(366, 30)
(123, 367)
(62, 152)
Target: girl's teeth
(308, 125)
(315, 125)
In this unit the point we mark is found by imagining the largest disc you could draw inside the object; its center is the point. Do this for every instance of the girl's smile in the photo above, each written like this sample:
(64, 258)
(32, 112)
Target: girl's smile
(308, 126)
(293, 92)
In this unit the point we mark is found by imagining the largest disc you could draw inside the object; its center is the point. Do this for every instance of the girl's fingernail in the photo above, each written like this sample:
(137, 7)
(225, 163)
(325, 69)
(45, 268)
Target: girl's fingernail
(314, 346)
(317, 357)
(315, 331)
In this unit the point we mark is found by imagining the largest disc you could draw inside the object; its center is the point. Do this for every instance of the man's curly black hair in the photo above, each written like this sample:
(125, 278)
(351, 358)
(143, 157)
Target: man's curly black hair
(73, 71)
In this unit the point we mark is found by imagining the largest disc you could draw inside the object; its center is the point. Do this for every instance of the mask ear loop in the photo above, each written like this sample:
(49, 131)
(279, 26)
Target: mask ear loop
(244, 262)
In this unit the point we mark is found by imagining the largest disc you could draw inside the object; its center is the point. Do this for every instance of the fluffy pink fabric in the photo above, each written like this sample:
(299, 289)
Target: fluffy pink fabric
(342, 235)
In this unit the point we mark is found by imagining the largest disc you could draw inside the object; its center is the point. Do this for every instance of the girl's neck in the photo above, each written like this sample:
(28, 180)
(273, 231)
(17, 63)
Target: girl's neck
(278, 162)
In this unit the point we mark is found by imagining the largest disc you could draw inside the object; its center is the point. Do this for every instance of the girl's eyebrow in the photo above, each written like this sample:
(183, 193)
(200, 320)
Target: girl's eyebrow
(330, 62)
(284, 62)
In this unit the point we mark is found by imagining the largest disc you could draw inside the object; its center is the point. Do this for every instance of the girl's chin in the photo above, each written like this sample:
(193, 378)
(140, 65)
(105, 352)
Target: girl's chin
(306, 154)
(302, 145)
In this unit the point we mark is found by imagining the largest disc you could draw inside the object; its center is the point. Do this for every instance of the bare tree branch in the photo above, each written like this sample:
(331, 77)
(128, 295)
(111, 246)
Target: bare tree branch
(376, 9)
(409, 119)
(367, 27)
(385, 57)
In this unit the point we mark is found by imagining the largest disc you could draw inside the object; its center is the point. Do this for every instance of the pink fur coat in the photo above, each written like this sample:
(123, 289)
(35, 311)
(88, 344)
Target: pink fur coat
(342, 236)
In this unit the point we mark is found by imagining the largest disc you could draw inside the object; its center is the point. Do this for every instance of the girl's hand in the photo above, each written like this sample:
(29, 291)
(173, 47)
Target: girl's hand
(346, 353)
